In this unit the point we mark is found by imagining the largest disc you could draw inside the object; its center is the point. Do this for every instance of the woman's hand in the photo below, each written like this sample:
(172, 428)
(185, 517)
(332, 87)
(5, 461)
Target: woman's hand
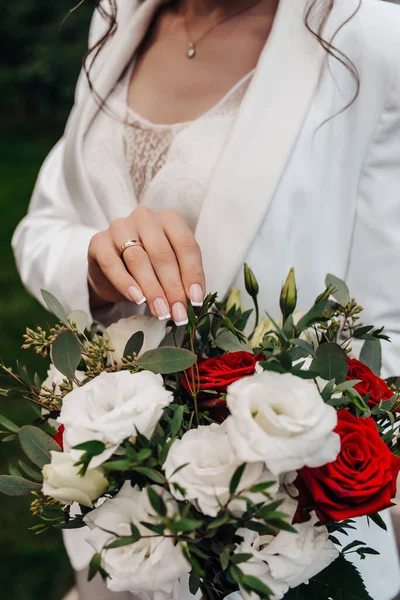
(164, 273)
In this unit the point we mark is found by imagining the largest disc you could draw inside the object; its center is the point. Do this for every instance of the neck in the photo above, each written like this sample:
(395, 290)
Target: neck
(203, 8)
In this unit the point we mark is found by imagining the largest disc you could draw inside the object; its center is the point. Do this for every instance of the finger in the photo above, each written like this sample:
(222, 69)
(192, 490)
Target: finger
(138, 264)
(106, 260)
(165, 265)
(188, 254)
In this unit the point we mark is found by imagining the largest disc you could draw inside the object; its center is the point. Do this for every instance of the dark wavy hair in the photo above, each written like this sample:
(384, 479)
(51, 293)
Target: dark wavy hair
(315, 18)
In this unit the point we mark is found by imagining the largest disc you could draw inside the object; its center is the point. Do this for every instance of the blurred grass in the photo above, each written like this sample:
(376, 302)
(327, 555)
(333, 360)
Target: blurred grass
(31, 567)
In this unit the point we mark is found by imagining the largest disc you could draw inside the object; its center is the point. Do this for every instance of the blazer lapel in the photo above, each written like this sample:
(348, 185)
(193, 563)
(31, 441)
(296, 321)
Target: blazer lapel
(134, 23)
(253, 161)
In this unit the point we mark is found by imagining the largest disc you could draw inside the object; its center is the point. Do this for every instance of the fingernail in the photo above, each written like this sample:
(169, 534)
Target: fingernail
(136, 295)
(196, 295)
(179, 314)
(161, 309)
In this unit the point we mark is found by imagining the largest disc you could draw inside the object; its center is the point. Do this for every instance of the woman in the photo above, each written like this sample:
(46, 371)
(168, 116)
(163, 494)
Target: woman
(217, 131)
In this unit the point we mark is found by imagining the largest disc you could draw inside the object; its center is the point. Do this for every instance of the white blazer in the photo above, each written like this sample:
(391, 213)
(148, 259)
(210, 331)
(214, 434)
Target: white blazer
(288, 190)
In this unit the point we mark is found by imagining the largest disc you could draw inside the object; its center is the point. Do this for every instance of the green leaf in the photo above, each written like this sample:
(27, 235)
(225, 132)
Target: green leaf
(8, 424)
(157, 502)
(158, 529)
(309, 348)
(9, 438)
(339, 581)
(125, 541)
(340, 290)
(30, 472)
(93, 448)
(14, 471)
(80, 318)
(371, 355)
(177, 421)
(224, 559)
(239, 558)
(167, 360)
(331, 362)
(66, 353)
(315, 315)
(256, 585)
(118, 465)
(236, 478)
(134, 345)
(227, 341)
(346, 385)
(23, 373)
(187, 525)
(151, 474)
(94, 567)
(55, 307)
(17, 486)
(194, 583)
(37, 445)
(261, 487)
(377, 519)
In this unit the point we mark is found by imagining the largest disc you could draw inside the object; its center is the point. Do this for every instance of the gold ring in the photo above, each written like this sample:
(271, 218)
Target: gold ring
(130, 244)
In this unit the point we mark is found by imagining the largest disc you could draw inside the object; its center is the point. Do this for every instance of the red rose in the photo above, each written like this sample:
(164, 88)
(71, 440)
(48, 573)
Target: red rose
(370, 383)
(216, 374)
(59, 436)
(361, 481)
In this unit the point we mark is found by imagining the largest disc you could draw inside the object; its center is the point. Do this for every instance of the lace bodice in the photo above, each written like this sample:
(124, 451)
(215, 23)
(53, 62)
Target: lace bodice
(169, 166)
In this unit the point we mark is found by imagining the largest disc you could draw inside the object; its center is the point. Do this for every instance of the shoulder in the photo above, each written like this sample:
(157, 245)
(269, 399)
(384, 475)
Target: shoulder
(372, 34)
(110, 14)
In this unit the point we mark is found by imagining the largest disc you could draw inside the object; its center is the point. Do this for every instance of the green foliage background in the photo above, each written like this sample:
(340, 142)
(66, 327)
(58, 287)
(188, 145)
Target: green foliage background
(40, 61)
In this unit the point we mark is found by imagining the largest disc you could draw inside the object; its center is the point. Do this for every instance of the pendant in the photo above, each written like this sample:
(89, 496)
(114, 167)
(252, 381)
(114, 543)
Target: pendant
(191, 53)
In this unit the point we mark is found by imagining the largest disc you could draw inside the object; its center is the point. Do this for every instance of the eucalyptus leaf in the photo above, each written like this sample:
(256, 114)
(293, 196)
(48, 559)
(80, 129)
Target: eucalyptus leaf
(134, 344)
(371, 355)
(80, 318)
(55, 307)
(167, 360)
(331, 362)
(340, 290)
(35, 475)
(37, 444)
(228, 342)
(17, 486)
(8, 424)
(66, 354)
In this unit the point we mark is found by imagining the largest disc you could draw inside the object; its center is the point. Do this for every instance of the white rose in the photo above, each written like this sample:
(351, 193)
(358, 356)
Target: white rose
(211, 464)
(61, 481)
(282, 420)
(112, 408)
(120, 333)
(152, 565)
(287, 560)
(54, 376)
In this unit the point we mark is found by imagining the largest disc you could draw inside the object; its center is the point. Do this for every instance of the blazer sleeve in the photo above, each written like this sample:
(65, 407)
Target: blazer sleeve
(50, 244)
(374, 265)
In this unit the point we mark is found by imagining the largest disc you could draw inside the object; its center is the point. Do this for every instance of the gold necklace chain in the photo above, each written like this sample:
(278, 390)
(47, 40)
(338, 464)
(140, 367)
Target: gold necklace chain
(192, 50)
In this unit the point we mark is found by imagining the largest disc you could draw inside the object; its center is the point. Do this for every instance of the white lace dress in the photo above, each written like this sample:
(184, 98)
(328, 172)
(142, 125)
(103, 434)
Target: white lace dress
(170, 166)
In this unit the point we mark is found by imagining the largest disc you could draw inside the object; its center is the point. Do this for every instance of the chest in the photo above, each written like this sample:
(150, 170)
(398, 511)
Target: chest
(168, 87)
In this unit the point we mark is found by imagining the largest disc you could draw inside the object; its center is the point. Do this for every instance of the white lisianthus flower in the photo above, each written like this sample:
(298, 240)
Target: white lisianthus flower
(282, 420)
(120, 333)
(152, 565)
(111, 408)
(262, 328)
(210, 463)
(234, 300)
(61, 481)
(54, 376)
(288, 559)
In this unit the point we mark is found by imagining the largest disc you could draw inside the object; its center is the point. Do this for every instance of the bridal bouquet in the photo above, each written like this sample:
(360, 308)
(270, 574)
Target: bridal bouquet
(237, 461)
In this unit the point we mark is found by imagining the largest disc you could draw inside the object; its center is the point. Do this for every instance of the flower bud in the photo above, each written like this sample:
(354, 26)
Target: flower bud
(234, 300)
(250, 281)
(288, 299)
(262, 328)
